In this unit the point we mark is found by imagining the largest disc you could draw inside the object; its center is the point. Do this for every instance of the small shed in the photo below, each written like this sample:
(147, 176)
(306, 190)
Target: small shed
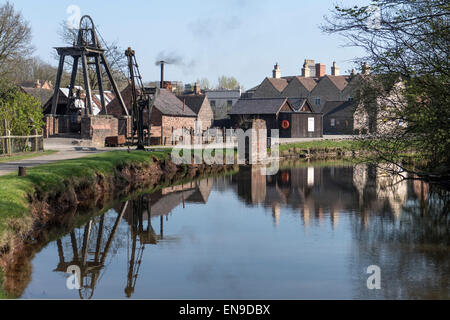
(294, 120)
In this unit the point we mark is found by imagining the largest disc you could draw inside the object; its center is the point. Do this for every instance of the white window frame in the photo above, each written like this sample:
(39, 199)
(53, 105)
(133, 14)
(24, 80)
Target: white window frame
(333, 122)
(311, 124)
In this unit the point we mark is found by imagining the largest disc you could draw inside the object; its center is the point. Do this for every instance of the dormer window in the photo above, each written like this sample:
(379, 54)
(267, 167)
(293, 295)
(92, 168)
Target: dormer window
(350, 98)
(317, 101)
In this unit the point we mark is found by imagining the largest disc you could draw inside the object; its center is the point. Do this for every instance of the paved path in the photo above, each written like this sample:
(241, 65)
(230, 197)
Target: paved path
(66, 151)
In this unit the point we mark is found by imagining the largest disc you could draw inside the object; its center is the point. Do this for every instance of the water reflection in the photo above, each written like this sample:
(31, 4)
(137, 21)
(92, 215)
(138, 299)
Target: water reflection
(400, 225)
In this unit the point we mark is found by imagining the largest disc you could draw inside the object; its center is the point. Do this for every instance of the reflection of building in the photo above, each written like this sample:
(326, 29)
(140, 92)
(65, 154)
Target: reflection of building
(321, 193)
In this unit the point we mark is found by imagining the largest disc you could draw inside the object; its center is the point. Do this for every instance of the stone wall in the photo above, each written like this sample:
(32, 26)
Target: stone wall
(97, 128)
(206, 115)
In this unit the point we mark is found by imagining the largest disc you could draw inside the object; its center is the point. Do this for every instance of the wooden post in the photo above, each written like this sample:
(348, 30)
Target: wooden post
(34, 141)
(22, 171)
(172, 137)
(162, 134)
(8, 141)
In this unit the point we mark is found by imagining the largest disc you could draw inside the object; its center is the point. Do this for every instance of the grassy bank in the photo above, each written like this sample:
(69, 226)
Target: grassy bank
(15, 215)
(345, 145)
(24, 156)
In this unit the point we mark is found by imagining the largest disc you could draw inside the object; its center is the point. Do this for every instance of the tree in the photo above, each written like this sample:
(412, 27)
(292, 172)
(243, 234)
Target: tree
(15, 39)
(204, 83)
(229, 83)
(407, 41)
(22, 112)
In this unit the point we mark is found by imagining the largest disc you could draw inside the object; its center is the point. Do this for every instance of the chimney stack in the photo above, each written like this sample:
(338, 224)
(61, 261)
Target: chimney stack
(162, 74)
(335, 70)
(197, 90)
(305, 71)
(276, 71)
(320, 70)
(309, 68)
(365, 68)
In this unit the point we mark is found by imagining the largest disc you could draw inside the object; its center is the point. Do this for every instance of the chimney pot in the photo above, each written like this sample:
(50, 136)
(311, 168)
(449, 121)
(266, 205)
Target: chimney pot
(335, 70)
(276, 71)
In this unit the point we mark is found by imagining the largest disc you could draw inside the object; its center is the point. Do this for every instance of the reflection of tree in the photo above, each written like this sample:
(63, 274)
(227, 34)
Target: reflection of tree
(412, 252)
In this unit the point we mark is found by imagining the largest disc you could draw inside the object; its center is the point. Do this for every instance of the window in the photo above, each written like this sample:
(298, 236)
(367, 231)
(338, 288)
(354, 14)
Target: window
(229, 103)
(333, 122)
(213, 103)
(317, 102)
(311, 124)
(350, 98)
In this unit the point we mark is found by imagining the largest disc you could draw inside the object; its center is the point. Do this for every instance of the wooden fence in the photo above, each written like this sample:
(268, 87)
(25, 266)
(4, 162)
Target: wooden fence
(10, 144)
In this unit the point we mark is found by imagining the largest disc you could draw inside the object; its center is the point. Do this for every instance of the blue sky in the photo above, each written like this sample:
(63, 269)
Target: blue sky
(240, 38)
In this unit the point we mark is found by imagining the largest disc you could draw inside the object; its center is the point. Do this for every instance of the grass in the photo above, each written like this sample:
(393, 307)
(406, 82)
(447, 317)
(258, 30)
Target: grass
(345, 145)
(26, 156)
(15, 215)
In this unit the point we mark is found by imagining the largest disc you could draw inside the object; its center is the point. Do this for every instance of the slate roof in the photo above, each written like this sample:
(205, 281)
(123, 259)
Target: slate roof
(346, 108)
(308, 83)
(258, 106)
(194, 102)
(298, 103)
(279, 84)
(170, 105)
(43, 95)
(339, 81)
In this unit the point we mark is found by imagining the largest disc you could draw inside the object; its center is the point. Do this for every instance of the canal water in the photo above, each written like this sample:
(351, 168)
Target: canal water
(310, 232)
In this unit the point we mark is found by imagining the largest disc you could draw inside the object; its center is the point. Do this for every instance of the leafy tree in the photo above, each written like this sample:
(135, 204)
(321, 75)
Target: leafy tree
(407, 41)
(204, 83)
(229, 83)
(22, 112)
(15, 40)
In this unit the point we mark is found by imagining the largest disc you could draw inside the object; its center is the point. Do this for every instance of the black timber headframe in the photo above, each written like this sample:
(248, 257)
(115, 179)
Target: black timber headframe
(88, 50)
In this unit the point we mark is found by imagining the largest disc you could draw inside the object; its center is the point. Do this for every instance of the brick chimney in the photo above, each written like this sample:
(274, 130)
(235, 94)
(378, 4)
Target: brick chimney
(276, 71)
(197, 90)
(335, 70)
(321, 70)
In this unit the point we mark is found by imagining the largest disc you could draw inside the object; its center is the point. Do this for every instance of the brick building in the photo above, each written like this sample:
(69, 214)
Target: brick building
(201, 106)
(169, 114)
(314, 84)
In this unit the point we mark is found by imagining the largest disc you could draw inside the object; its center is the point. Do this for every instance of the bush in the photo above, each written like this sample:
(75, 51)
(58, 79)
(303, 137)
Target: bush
(22, 112)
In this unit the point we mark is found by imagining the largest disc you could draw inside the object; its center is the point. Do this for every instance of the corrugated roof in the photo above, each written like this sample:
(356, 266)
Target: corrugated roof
(258, 106)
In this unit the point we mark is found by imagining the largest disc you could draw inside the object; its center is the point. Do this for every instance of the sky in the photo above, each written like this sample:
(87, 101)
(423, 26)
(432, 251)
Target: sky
(239, 38)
